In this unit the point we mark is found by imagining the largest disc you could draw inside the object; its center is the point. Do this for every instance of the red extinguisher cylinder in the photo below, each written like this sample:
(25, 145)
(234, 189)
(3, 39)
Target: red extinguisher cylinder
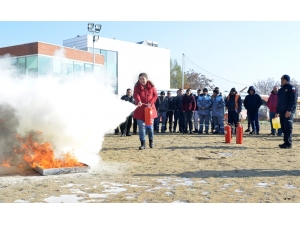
(148, 120)
(227, 132)
(239, 134)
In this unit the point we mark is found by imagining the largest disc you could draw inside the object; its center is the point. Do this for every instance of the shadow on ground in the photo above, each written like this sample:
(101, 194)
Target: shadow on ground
(230, 173)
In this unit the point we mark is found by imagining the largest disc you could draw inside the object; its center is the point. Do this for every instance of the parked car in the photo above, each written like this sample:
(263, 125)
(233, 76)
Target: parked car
(263, 113)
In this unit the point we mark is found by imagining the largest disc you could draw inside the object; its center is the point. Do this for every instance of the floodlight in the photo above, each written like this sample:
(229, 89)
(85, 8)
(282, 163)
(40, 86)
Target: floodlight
(90, 27)
(97, 28)
(96, 38)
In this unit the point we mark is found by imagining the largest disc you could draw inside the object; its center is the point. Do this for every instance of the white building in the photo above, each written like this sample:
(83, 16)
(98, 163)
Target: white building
(126, 60)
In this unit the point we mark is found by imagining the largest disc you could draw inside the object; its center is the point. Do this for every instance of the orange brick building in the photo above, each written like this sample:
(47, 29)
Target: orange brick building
(39, 59)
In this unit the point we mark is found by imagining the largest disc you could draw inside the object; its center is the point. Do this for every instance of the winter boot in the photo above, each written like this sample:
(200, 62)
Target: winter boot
(142, 145)
(151, 143)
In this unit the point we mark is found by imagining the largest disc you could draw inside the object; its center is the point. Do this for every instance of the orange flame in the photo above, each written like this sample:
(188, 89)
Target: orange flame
(6, 163)
(42, 155)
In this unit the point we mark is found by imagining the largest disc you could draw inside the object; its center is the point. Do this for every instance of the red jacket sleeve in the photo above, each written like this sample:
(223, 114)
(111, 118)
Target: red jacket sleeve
(154, 96)
(136, 95)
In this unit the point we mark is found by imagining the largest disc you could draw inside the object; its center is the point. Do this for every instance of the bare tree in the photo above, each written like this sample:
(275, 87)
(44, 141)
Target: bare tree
(264, 87)
(196, 80)
(295, 83)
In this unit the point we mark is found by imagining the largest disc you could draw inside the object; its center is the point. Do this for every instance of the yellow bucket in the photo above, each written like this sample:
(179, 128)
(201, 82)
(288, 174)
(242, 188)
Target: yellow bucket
(276, 123)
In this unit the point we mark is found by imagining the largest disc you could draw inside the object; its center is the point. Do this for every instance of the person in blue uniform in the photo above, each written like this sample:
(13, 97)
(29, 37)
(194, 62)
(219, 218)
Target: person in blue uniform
(286, 107)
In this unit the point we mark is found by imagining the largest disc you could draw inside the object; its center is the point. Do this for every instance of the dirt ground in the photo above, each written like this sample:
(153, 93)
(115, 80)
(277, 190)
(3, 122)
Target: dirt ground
(181, 168)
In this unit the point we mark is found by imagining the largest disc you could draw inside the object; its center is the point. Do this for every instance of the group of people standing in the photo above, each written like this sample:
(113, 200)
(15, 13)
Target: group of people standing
(188, 107)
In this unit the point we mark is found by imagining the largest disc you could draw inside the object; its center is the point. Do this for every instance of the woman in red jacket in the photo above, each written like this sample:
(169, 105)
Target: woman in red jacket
(144, 94)
(272, 104)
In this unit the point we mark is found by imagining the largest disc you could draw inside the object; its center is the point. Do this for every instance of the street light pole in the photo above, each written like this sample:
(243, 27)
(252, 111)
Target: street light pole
(182, 71)
(95, 38)
(93, 52)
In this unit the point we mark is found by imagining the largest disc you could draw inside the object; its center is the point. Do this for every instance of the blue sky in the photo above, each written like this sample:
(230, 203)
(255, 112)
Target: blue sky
(232, 52)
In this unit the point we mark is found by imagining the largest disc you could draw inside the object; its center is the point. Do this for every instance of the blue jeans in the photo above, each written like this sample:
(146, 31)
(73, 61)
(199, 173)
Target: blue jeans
(142, 130)
(273, 131)
(253, 116)
(163, 116)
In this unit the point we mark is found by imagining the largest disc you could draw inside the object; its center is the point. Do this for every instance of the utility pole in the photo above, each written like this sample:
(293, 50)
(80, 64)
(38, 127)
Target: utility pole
(182, 71)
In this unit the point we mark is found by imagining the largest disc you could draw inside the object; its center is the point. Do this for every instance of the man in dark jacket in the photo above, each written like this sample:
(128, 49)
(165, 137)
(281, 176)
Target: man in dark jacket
(125, 126)
(286, 107)
(234, 106)
(252, 103)
(188, 108)
(162, 108)
(170, 111)
(178, 114)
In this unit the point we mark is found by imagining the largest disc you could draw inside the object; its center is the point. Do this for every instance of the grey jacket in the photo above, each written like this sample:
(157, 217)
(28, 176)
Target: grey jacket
(162, 104)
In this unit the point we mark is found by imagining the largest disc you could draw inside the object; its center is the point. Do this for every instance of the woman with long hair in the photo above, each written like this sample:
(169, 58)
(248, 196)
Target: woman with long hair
(145, 95)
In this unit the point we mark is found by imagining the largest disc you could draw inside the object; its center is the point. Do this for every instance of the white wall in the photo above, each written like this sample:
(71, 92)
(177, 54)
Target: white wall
(132, 59)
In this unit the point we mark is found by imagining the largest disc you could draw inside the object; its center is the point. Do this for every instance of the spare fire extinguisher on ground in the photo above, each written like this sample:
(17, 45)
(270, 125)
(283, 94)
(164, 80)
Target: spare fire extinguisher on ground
(239, 134)
(227, 132)
(148, 114)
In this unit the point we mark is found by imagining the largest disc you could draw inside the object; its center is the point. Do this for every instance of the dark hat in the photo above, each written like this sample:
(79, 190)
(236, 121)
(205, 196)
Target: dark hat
(162, 93)
(216, 91)
(233, 90)
(286, 77)
(205, 90)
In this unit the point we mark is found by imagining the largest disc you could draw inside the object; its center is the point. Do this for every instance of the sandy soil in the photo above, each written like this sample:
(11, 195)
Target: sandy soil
(180, 168)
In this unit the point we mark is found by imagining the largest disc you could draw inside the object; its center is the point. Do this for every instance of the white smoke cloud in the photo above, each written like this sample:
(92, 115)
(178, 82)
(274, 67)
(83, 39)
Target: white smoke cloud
(73, 113)
(61, 53)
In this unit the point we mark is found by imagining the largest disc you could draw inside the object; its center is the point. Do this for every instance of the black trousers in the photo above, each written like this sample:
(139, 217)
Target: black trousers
(188, 116)
(233, 118)
(134, 125)
(178, 117)
(169, 119)
(287, 128)
(125, 127)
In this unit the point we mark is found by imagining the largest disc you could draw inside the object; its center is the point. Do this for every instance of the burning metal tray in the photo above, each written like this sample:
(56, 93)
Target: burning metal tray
(62, 170)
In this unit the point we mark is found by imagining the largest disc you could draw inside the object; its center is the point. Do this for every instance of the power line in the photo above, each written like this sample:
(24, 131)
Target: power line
(212, 73)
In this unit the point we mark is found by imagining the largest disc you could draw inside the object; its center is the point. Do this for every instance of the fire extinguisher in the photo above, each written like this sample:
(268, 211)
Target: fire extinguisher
(239, 134)
(227, 131)
(148, 114)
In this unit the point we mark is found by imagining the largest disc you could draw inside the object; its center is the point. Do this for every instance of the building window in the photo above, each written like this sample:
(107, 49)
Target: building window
(111, 57)
(21, 65)
(67, 67)
(78, 68)
(104, 53)
(57, 67)
(88, 68)
(32, 65)
(45, 65)
(111, 69)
